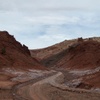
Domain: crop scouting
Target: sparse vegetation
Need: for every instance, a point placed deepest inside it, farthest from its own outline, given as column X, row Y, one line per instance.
column 3, row 51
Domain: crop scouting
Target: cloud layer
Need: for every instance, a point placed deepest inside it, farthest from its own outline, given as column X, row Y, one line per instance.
column 40, row 23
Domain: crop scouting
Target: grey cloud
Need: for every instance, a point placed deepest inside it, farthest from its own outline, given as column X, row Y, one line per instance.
column 53, row 5
column 51, row 18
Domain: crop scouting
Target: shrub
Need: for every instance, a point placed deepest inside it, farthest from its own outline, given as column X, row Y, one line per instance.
column 3, row 51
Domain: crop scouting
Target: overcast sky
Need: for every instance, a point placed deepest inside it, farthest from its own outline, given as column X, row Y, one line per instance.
column 41, row 23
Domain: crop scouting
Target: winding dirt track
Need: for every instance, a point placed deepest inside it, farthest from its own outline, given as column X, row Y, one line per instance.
column 17, row 87
column 43, row 88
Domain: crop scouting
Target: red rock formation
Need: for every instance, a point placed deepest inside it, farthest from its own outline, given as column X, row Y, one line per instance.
column 13, row 54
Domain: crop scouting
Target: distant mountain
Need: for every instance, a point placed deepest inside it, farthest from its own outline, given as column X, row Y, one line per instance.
column 81, row 55
column 15, row 55
column 44, row 53
column 69, row 52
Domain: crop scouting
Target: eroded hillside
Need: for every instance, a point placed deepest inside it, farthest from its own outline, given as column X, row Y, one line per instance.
column 44, row 53
column 13, row 54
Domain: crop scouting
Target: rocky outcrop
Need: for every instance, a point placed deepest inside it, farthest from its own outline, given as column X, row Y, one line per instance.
column 26, row 49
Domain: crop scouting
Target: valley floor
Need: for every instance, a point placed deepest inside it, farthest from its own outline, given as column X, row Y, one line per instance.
column 50, row 86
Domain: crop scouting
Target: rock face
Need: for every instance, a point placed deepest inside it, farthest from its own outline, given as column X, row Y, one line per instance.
column 13, row 54
column 26, row 49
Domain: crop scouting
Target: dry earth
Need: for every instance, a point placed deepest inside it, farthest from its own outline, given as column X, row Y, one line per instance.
column 42, row 85
column 9, row 78
column 52, row 88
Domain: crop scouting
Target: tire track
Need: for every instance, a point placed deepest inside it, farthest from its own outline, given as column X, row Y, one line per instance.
column 16, row 96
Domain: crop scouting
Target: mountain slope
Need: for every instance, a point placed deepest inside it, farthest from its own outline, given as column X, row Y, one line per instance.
column 44, row 53
column 80, row 55
column 14, row 55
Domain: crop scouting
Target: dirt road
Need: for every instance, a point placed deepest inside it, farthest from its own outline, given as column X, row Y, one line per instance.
column 17, row 96
column 50, row 87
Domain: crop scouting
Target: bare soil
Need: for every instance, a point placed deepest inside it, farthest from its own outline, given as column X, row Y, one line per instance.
column 52, row 93
column 6, row 94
